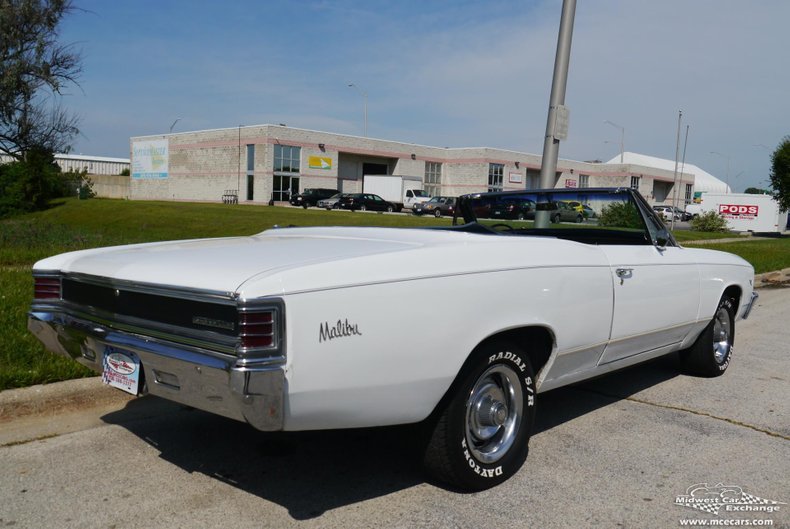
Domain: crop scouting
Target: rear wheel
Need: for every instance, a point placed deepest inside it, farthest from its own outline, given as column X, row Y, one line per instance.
column 481, row 436
column 712, row 351
column 556, row 219
column 363, row 207
column 389, row 209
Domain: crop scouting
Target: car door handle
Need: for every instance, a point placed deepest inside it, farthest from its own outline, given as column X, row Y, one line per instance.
column 624, row 273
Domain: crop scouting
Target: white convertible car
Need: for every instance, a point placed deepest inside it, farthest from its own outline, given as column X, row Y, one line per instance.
column 315, row 328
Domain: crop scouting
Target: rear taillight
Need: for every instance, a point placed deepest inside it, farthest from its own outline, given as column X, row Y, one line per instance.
column 46, row 287
column 257, row 329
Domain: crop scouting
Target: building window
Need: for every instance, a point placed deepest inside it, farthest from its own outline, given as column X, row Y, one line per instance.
column 250, row 158
column 689, row 193
column 496, row 172
column 286, row 158
column 635, row 182
column 433, row 178
column 584, row 180
column 284, row 186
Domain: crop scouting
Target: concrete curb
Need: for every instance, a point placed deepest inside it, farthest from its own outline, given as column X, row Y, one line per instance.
column 779, row 278
column 58, row 398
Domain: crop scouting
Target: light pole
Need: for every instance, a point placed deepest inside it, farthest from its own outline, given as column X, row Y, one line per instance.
column 558, row 115
column 727, row 181
column 365, row 98
column 174, row 124
column 622, row 137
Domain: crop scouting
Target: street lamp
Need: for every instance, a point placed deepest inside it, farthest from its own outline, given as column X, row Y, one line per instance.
column 365, row 98
column 622, row 137
column 727, row 181
column 174, row 124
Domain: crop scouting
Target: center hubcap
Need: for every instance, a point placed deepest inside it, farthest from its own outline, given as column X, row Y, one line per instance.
column 498, row 413
column 491, row 412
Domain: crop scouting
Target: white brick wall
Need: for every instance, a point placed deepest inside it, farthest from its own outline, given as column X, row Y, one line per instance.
column 203, row 164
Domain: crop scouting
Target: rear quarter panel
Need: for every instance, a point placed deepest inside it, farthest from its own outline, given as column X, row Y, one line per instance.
column 405, row 353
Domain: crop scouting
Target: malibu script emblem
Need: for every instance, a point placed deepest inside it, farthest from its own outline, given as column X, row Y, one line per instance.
column 340, row 330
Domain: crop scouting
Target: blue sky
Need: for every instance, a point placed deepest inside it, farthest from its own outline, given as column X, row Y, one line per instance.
column 456, row 74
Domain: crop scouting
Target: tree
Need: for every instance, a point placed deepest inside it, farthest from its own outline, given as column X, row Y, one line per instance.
column 34, row 70
column 780, row 173
column 756, row 191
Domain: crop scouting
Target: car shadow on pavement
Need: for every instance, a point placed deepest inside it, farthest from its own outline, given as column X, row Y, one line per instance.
column 564, row 404
column 310, row 473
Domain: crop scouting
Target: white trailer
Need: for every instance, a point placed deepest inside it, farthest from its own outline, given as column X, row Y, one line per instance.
column 402, row 191
column 743, row 211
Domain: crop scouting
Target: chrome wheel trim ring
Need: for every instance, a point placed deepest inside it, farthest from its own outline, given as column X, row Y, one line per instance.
column 494, row 412
column 722, row 335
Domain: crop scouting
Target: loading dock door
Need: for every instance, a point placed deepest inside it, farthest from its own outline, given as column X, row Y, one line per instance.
column 374, row 168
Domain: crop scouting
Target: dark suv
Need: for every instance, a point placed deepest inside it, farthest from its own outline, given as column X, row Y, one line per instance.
column 311, row 196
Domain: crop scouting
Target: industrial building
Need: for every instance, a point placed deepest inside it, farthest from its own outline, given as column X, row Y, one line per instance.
column 268, row 163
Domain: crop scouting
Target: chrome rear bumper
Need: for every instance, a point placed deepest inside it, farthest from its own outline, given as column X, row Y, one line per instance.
column 195, row 377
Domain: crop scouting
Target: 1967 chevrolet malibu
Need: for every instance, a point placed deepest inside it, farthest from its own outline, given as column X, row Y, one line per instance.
column 316, row 328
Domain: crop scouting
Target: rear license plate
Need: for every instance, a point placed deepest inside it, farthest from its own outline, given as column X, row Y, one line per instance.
column 121, row 369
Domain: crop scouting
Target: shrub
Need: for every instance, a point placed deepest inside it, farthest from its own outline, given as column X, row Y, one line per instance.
column 28, row 185
column 620, row 215
column 709, row 221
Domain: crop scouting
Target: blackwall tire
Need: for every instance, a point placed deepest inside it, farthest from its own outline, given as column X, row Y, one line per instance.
column 363, row 207
column 711, row 353
column 437, row 213
column 480, row 436
column 389, row 209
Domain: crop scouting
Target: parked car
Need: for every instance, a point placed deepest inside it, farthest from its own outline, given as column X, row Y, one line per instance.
column 317, row 328
column 683, row 215
column 311, row 196
column 436, row 206
column 363, row 202
column 520, row 209
column 666, row 212
column 565, row 212
column 331, row 202
column 588, row 212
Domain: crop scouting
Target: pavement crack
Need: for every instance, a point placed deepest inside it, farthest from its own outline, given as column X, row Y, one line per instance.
column 26, row 441
column 688, row 410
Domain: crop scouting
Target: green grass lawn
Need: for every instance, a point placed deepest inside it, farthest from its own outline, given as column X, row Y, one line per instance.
column 78, row 224
column 766, row 254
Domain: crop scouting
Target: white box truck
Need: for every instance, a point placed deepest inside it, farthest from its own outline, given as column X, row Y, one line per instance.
column 743, row 211
column 402, row 191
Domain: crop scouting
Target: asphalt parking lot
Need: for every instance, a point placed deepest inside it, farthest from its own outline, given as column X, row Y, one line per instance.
column 614, row 452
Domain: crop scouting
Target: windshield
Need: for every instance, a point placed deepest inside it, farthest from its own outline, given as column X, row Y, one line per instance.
column 420, row 193
column 580, row 214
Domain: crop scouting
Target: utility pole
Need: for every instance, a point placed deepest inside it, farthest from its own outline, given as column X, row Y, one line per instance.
column 675, row 177
column 557, row 121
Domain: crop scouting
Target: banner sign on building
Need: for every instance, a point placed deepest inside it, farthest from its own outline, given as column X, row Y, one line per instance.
column 515, row 178
column 570, row 183
column 319, row 162
column 150, row 159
